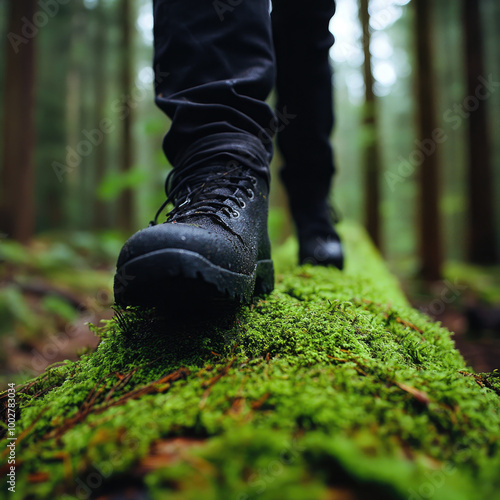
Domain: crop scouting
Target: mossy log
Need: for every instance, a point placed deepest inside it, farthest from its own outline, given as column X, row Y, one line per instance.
column 333, row 387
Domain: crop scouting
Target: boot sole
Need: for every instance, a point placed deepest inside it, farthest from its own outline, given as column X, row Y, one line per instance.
column 178, row 278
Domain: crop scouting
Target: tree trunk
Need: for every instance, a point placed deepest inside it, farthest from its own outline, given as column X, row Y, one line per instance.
column 126, row 211
column 371, row 153
column 481, row 216
column 101, row 212
column 429, row 217
column 74, row 122
column 17, row 213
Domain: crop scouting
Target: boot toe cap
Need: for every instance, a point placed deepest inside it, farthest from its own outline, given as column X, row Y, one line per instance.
column 322, row 252
column 210, row 244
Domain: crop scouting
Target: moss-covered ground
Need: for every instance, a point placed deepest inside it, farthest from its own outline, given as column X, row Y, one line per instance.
column 333, row 387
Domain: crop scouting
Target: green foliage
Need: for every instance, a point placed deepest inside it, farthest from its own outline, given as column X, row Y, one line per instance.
column 57, row 256
column 66, row 261
column 276, row 220
column 59, row 307
column 483, row 282
column 46, row 287
column 15, row 312
column 14, row 253
column 116, row 182
column 96, row 248
column 332, row 382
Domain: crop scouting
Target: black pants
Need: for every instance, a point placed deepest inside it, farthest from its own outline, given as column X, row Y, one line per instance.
column 216, row 62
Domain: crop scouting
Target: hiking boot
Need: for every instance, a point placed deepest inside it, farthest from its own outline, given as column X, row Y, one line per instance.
column 314, row 218
column 213, row 248
column 319, row 242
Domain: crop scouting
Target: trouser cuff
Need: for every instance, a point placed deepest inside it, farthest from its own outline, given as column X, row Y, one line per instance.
column 227, row 149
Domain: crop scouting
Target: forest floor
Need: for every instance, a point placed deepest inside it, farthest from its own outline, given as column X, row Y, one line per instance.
column 333, row 387
column 50, row 291
column 467, row 302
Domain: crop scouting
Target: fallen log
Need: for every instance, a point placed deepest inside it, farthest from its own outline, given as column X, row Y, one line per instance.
column 333, row 387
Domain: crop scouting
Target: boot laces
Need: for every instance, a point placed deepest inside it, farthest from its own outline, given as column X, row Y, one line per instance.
column 206, row 191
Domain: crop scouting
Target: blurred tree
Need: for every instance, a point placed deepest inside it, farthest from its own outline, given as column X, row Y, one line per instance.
column 101, row 212
column 51, row 170
column 126, row 211
column 429, row 223
column 17, row 213
column 449, row 87
column 75, row 88
column 481, row 216
column 371, row 149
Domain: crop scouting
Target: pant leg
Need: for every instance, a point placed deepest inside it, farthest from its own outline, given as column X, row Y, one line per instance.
column 302, row 42
column 214, row 65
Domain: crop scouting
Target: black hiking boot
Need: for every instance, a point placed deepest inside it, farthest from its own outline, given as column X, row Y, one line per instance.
column 213, row 248
column 319, row 242
column 314, row 218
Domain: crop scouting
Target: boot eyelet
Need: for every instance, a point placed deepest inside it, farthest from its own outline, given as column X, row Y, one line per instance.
column 253, row 180
column 185, row 202
column 242, row 203
column 251, row 194
column 235, row 214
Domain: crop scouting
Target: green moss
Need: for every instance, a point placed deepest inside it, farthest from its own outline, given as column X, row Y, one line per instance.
column 483, row 282
column 333, row 383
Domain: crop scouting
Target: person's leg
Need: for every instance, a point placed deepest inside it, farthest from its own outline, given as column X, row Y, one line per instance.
column 302, row 41
column 214, row 69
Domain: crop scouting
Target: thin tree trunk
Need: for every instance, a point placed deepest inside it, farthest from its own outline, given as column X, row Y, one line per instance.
column 101, row 212
column 481, row 217
column 126, row 213
column 371, row 153
column 74, row 177
column 429, row 223
column 17, row 214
